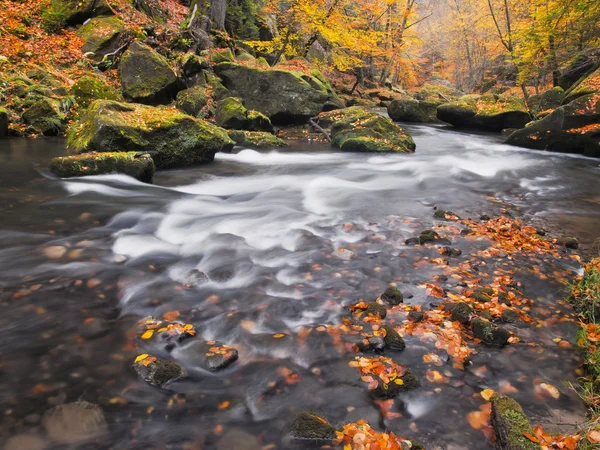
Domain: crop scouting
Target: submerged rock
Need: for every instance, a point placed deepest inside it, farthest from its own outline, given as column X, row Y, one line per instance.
column 392, row 296
column 411, row 110
column 311, row 426
column 236, row 439
column 209, row 355
column 172, row 138
column 285, row 97
column 574, row 128
column 485, row 112
column 356, row 129
column 489, row 332
column 511, row 424
column 409, row 381
column 134, row 164
column 157, row 372
column 76, row 422
column 146, row 76
column 256, row 139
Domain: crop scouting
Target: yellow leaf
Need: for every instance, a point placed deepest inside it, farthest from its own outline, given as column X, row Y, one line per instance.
column 148, row 334
column 140, row 357
column 487, row 394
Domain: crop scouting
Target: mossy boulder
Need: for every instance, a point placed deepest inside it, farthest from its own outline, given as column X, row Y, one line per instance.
column 586, row 85
column 217, row 57
column 511, row 425
column 461, row 312
column 437, row 93
column 174, row 139
column 284, row 96
column 218, row 90
column 192, row 64
column 192, row 100
column 548, row 100
column 485, row 112
column 392, row 296
column 256, row 139
column 158, row 373
column 231, row 113
column 411, row 110
column 3, row 122
column 490, row 333
column 45, row 117
column 101, row 36
column 89, row 88
column 312, row 426
column 393, row 340
column 146, row 76
column 360, row 130
column 75, row 12
column 573, row 128
column 134, row 164
column 409, row 381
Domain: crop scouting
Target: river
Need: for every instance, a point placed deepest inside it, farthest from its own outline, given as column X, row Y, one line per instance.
column 83, row 260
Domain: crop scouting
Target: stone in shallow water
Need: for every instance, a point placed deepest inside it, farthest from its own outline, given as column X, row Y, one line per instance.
column 25, row 442
column 157, row 372
column 195, row 277
column 310, row 426
column 393, row 296
column 236, row 439
column 461, row 312
column 75, row 422
column 490, row 333
column 393, row 341
column 209, row 355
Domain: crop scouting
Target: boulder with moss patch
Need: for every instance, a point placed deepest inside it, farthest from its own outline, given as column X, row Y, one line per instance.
column 192, row 64
column 192, row 100
column 360, row 130
column 134, row 164
column 221, row 56
column 284, row 96
column 158, row 372
column 3, row 122
column 437, row 93
column 231, row 113
column 101, row 36
column 89, row 88
column 545, row 101
column 490, row 333
column 392, row 296
column 310, row 427
column 75, row 12
column 174, row 139
column 411, row 110
column 586, row 85
column 146, row 76
column 407, row 382
column 256, row 139
column 511, row 425
column 485, row 112
column 45, row 117
column 573, row 128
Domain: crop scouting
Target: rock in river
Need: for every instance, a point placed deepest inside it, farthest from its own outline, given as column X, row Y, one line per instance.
column 511, row 425
column 490, row 333
column 310, row 426
column 208, row 355
column 134, row 164
column 157, row 372
column 392, row 296
column 173, row 139
column 75, row 422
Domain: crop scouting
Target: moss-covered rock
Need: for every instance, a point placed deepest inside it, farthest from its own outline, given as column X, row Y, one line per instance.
column 376, row 309
column 89, row 88
column 437, row 93
column 284, row 96
column 101, row 36
column 231, row 113
column 568, row 242
column 586, row 85
column 223, row 56
column 573, row 128
column 192, row 64
column 134, row 164
column 485, row 112
column 461, row 312
column 489, row 332
column 548, row 100
column 312, row 426
column 192, row 100
column 45, row 117
column 75, row 12
column 146, row 76
column 218, row 90
column 364, row 131
column 391, row 390
column 511, row 424
column 392, row 296
column 393, row 341
column 174, row 139
column 158, row 372
column 256, row 139
column 411, row 110
column 483, row 294
column 3, row 122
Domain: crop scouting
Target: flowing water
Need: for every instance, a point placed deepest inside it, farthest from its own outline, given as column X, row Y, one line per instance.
column 83, row 260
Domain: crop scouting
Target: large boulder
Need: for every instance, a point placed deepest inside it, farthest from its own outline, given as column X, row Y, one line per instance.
column 485, row 112
column 589, row 84
column 3, row 122
column 146, row 76
column 411, row 110
column 437, row 93
column 45, row 117
column 231, row 113
column 101, row 36
column 284, row 96
column 581, row 66
column 174, row 139
column 89, row 88
column 546, row 101
column 134, row 164
column 75, row 12
column 356, row 129
column 573, row 128
column 192, row 100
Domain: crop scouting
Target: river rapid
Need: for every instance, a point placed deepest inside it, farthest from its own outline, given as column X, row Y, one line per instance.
column 82, row 261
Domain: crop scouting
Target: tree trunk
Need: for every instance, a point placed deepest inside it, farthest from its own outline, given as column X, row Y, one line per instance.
column 217, row 12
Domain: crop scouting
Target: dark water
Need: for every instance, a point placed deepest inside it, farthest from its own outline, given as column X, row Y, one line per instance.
column 82, row 261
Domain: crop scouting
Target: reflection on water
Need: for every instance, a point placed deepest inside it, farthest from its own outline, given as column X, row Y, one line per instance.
column 83, row 260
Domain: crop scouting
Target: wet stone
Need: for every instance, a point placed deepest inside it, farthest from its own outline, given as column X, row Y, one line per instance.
column 568, row 242
column 239, row 440
column 75, row 422
column 391, row 390
column 393, row 341
column 157, row 372
column 392, row 296
column 210, row 355
column 461, row 312
column 376, row 309
column 25, row 442
column 416, row 316
column 449, row 251
column 195, row 278
column 94, row 328
column 510, row 316
column 310, row 426
column 377, row 343
column 490, row 333
column 412, row 241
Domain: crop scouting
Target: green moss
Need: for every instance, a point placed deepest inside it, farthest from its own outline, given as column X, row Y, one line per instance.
column 393, row 341
column 585, row 294
column 231, row 113
column 45, row 117
column 139, row 166
column 192, row 100
column 256, row 139
column 192, row 64
column 428, row 236
column 3, row 122
column 461, row 312
column 54, row 17
column 393, row 296
column 376, row 309
column 311, row 425
column 490, row 333
column 221, row 57
column 436, row 93
column 89, row 88
column 99, row 34
column 510, row 423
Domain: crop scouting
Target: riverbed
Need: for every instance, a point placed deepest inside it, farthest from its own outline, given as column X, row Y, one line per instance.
column 286, row 239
